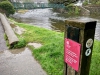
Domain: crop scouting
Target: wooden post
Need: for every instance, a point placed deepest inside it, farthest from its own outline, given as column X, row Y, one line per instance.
column 82, row 32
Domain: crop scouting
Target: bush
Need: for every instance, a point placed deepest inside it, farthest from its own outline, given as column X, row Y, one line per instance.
column 65, row 2
column 20, row 44
column 85, row 2
column 7, row 7
column 72, row 10
column 98, row 2
column 3, row 0
column 93, row 2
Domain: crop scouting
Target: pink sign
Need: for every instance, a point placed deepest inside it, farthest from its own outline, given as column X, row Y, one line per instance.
column 72, row 53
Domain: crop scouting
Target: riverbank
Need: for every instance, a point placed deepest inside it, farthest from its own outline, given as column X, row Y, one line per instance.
column 51, row 51
column 94, row 9
column 50, row 55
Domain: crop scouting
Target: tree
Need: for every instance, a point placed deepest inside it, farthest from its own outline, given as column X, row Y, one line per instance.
column 66, row 2
column 6, row 7
column 3, row 0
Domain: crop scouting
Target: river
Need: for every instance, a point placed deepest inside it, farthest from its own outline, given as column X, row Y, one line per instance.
column 53, row 20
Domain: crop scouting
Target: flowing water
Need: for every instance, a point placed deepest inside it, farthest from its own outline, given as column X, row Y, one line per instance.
column 43, row 18
column 50, row 19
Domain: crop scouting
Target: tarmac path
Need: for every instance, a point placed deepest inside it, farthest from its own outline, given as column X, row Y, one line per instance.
column 18, row 61
column 2, row 40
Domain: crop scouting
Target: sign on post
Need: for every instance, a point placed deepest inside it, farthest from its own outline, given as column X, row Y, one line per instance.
column 72, row 53
column 78, row 45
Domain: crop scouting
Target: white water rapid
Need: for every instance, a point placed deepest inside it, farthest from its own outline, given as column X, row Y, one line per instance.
column 79, row 3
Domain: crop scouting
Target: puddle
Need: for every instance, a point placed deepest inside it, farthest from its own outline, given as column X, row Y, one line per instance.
column 17, row 51
column 19, row 62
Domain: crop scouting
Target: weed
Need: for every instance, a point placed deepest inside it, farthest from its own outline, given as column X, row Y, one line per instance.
column 20, row 44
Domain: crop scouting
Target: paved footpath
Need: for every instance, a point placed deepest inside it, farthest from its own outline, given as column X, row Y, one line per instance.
column 17, row 62
column 2, row 40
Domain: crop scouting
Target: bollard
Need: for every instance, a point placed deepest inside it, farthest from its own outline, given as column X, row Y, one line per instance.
column 78, row 45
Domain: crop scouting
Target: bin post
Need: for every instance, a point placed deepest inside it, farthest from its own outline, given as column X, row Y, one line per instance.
column 79, row 36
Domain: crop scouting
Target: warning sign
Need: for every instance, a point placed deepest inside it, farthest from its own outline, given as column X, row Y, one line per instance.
column 72, row 53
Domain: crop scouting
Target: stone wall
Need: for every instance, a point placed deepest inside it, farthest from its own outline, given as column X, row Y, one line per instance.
column 93, row 9
column 84, row 11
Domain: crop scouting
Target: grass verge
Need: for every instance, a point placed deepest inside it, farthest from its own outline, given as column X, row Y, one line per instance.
column 95, row 61
column 51, row 54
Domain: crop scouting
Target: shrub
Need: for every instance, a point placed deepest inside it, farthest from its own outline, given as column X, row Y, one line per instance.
column 3, row 0
column 20, row 44
column 85, row 2
column 98, row 2
column 7, row 7
column 72, row 10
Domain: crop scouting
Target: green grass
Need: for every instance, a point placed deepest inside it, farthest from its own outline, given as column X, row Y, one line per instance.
column 51, row 54
column 95, row 61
